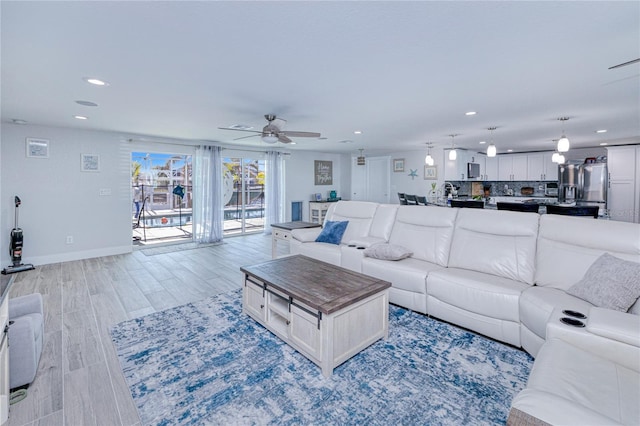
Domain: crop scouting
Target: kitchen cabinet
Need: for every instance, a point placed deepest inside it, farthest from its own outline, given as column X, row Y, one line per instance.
column 623, row 198
column 512, row 167
column 540, row 167
column 490, row 170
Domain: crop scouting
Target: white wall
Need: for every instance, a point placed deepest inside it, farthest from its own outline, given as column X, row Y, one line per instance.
column 414, row 160
column 58, row 200
column 299, row 179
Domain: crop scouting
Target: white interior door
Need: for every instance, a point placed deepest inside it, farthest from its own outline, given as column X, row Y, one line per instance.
column 371, row 182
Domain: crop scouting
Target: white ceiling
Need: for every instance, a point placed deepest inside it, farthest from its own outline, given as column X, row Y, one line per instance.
column 403, row 73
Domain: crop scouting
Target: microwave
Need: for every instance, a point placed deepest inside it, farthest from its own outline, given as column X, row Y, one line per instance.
column 473, row 170
column 551, row 189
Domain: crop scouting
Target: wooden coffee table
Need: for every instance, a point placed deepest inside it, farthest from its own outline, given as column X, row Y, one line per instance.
column 325, row 312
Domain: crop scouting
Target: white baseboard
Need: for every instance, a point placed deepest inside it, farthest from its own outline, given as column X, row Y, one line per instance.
column 77, row 255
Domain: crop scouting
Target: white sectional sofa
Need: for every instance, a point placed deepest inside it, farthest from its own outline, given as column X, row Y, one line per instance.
column 505, row 275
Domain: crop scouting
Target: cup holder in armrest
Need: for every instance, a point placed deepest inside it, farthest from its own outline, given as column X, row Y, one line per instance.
column 574, row 314
column 572, row 321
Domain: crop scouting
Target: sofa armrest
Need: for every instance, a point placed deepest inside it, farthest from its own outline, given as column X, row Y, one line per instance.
column 366, row 242
column 306, row 235
column 554, row 409
column 615, row 325
column 23, row 305
column 607, row 334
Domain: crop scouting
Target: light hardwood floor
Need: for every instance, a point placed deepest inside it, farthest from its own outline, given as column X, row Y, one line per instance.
column 79, row 381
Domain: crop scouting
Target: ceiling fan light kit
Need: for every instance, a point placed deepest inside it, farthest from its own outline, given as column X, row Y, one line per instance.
column 270, row 138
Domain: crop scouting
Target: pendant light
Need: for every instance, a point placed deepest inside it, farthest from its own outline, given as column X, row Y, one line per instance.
column 453, row 154
column 555, row 157
column 428, row 160
column 491, row 149
column 563, row 142
column 360, row 160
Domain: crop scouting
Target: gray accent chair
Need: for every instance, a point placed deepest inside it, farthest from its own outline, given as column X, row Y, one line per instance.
column 26, row 335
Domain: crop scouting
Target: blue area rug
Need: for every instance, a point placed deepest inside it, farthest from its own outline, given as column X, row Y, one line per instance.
column 207, row 362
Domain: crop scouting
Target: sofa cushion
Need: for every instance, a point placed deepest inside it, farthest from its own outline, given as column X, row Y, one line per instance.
column 568, row 246
column 332, row 232
column 501, row 243
column 425, row 231
column 407, row 274
column 359, row 214
column 477, row 292
column 610, row 282
column 383, row 220
column 387, row 252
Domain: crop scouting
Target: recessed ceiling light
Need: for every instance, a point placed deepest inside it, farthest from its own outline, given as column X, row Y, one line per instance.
column 241, row 127
column 603, row 143
column 87, row 103
column 509, row 150
column 470, row 113
column 18, row 121
column 95, row 81
column 80, row 117
column 357, row 132
column 601, row 131
column 346, row 141
column 482, row 142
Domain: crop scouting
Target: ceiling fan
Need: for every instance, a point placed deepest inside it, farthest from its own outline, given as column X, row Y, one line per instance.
column 272, row 132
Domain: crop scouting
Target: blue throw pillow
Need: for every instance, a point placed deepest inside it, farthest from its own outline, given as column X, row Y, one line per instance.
column 332, row 232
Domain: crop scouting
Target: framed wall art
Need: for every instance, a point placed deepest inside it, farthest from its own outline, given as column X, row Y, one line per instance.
column 89, row 162
column 323, row 172
column 37, row 148
column 431, row 172
column 398, row 165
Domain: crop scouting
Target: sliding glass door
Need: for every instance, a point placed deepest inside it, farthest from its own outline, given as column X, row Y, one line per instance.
column 244, row 195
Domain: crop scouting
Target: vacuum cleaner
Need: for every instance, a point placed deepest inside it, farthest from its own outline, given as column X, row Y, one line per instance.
column 15, row 248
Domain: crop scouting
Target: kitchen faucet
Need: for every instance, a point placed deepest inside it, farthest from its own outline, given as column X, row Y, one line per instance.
column 452, row 189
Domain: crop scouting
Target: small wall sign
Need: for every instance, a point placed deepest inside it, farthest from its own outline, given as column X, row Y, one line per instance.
column 89, row 162
column 431, row 172
column 323, row 172
column 37, row 148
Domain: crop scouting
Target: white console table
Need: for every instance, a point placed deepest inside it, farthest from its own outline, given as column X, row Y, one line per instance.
column 282, row 232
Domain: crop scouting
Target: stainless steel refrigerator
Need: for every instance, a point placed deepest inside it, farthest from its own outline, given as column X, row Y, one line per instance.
column 584, row 184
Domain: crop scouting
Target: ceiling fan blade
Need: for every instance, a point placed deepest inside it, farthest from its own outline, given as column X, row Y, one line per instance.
column 239, row 130
column 624, row 64
column 244, row 137
column 282, row 138
column 279, row 123
column 300, row 134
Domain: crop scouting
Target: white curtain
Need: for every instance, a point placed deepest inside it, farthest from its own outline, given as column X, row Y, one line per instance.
column 274, row 190
column 207, row 201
